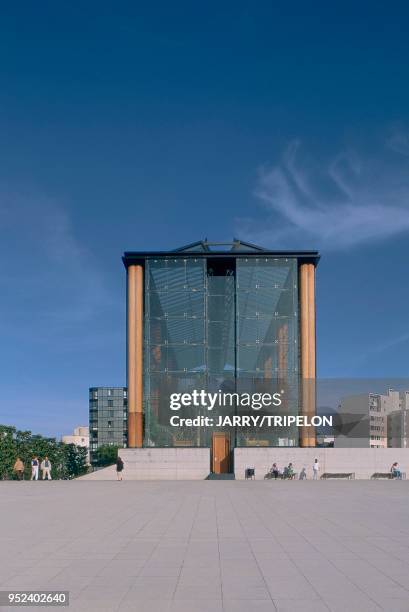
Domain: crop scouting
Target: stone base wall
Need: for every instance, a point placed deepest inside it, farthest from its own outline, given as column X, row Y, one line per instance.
column 363, row 461
column 165, row 463
column 194, row 463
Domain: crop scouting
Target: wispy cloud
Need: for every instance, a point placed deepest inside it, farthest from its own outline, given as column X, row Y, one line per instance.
column 398, row 141
column 61, row 314
column 341, row 202
column 49, row 279
column 383, row 347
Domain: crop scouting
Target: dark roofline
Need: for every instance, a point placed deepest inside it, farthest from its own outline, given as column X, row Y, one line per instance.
column 135, row 257
column 207, row 246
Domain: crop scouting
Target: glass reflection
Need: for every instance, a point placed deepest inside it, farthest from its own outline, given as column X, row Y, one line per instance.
column 229, row 324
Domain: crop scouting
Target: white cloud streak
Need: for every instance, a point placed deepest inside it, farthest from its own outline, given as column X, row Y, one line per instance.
column 344, row 202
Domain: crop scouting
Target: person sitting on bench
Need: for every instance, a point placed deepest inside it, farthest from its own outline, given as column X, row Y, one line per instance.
column 395, row 471
column 275, row 471
column 289, row 472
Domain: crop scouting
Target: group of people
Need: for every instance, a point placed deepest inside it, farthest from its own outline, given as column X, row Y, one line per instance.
column 44, row 466
column 288, row 472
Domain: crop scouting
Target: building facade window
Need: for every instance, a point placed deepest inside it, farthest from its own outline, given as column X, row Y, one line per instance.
column 230, row 324
column 106, row 417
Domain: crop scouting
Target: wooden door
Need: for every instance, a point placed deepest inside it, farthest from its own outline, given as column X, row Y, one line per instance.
column 220, row 453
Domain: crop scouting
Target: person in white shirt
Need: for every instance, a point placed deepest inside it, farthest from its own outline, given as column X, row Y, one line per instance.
column 315, row 470
column 34, row 468
column 46, row 468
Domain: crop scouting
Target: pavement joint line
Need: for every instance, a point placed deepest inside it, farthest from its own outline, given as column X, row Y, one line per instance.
column 255, row 559
column 230, row 524
column 331, row 563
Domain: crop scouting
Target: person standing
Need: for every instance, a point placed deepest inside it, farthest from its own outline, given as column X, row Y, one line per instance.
column 119, row 468
column 18, row 469
column 46, row 468
column 34, row 468
column 315, row 469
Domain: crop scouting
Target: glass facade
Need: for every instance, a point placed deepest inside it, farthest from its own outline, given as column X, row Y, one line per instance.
column 229, row 324
column 175, row 344
column 267, row 340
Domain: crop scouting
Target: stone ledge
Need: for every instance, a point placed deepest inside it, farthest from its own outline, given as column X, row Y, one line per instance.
column 165, row 463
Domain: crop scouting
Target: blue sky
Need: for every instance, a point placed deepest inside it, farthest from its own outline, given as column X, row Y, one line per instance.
column 128, row 127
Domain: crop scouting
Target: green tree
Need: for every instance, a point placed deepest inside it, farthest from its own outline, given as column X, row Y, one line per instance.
column 105, row 455
column 22, row 442
column 8, row 451
column 75, row 461
column 67, row 460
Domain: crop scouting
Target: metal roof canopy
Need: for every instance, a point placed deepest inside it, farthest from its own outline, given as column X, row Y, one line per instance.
column 204, row 248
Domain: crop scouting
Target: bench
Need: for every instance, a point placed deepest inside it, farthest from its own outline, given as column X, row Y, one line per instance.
column 348, row 475
column 387, row 475
column 270, row 476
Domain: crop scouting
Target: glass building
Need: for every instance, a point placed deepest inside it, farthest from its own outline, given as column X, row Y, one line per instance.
column 108, row 417
column 234, row 318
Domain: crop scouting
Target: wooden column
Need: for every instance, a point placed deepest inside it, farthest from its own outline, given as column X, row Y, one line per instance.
column 308, row 352
column 135, row 355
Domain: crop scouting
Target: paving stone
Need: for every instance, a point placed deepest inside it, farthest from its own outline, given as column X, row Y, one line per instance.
column 204, row 546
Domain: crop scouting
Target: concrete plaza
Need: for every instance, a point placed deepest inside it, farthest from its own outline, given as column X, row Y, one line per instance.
column 208, row 546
